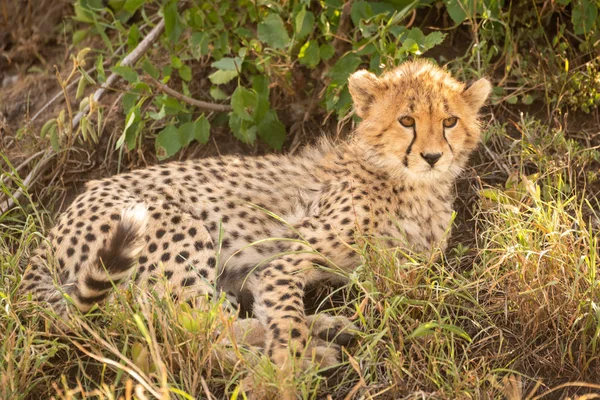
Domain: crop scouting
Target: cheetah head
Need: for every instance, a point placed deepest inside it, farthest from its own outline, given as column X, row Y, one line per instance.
column 418, row 121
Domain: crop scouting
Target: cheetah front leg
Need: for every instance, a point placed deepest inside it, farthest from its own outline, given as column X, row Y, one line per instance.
column 278, row 304
column 290, row 335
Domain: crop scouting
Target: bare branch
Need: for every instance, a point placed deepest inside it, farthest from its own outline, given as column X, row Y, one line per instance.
column 196, row 103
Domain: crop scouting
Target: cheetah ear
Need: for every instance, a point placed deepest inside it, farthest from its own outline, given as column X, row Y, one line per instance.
column 477, row 93
column 364, row 87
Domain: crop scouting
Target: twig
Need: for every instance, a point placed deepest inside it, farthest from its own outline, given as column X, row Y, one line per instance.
column 412, row 19
column 340, row 39
column 196, row 103
column 57, row 96
column 130, row 59
column 497, row 160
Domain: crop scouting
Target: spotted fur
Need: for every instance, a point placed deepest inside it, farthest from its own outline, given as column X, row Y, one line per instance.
column 202, row 222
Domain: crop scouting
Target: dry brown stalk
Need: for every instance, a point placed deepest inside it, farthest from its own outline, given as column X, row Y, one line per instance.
column 196, row 103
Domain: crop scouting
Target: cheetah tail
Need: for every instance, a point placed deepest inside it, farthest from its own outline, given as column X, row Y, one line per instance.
column 115, row 260
column 114, row 263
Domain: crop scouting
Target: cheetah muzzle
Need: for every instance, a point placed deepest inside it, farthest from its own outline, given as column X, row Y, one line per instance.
column 393, row 179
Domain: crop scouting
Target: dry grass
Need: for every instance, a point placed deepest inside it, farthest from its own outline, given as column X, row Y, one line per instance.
column 513, row 316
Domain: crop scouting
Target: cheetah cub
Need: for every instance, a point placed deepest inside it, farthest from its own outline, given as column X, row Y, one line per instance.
column 202, row 224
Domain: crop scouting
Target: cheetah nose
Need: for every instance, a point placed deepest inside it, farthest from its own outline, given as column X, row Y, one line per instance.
column 431, row 158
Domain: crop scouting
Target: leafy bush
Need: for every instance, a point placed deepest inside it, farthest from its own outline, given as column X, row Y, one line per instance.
column 248, row 49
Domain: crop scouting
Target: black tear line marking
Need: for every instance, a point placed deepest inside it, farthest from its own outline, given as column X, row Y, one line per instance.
column 446, row 139
column 409, row 149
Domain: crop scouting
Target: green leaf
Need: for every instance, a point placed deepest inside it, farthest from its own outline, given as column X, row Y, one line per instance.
column 50, row 124
column 133, row 124
column 344, row 103
column 433, row 39
column 185, row 73
column 220, row 77
column 173, row 26
column 304, row 23
column 54, row 139
column 342, row 69
column 415, row 42
column 217, row 94
column 80, row 87
column 326, row 51
column 167, row 71
column 459, row 10
column 244, row 103
column 186, row 133
column 260, row 84
column 429, row 328
column 309, row 54
column 457, row 331
column 157, row 116
column 150, row 69
column 79, row 35
column 490, row 194
column 172, row 106
column 243, row 130
column 167, row 142
column 132, row 128
column 176, row 62
column 228, row 64
column 133, row 37
column 272, row 32
column 584, row 16
column 527, row 99
column 361, row 10
column 512, row 99
column 456, row 11
column 271, row 130
column 409, row 46
column 202, row 129
column 199, row 44
column 128, row 73
column 424, row 329
column 87, row 77
column 132, row 5
column 82, row 14
column 83, row 124
column 100, row 74
column 129, row 100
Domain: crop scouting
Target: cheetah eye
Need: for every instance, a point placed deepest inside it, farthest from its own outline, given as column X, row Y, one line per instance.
column 450, row 122
column 407, row 122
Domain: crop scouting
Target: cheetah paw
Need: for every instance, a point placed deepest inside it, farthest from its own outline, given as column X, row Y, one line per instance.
column 325, row 329
column 329, row 333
